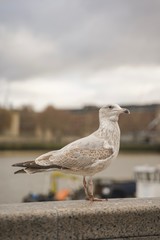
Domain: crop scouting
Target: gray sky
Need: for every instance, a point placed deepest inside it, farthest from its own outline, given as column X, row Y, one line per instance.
column 70, row 53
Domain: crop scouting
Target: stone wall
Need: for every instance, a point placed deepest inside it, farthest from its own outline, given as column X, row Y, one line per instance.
column 114, row 219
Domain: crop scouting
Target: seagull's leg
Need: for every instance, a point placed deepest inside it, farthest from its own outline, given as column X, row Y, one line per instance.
column 90, row 191
column 85, row 187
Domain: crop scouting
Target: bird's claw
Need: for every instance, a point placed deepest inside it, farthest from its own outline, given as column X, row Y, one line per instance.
column 93, row 199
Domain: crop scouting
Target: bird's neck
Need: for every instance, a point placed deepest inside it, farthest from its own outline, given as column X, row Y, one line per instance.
column 109, row 131
column 108, row 128
column 108, row 124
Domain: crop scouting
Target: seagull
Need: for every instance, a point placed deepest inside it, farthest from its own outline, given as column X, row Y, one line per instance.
column 86, row 156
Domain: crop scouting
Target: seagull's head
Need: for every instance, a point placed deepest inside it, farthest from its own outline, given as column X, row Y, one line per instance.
column 112, row 112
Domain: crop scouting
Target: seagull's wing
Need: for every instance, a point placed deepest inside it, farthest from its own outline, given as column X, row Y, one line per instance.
column 78, row 155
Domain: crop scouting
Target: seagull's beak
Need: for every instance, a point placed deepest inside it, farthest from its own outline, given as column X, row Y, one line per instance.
column 125, row 110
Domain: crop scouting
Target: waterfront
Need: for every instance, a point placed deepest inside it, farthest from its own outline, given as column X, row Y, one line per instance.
column 14, row 187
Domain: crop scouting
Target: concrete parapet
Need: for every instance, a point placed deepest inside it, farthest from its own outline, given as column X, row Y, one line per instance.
column 114, row 219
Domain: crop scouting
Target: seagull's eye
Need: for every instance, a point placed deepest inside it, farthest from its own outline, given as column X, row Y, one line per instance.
column 110, row 107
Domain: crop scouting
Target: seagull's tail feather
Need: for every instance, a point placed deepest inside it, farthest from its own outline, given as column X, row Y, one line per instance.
column 33, row 170
column 29, row 170
column 31, row 167
column 27, row 167
column 26, row 164
column 20, row 171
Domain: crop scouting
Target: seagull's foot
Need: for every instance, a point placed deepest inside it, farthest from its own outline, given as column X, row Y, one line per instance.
column 93, row 199
column 100, row 199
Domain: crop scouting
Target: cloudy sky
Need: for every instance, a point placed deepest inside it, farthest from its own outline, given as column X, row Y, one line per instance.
column 71, row 53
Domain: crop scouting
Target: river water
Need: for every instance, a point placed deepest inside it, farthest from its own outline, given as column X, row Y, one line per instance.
column 14, row 187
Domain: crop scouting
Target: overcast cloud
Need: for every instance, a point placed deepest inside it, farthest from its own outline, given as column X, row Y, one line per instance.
column 71, row 53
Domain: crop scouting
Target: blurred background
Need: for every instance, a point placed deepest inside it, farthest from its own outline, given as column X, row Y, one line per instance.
column 59, row 62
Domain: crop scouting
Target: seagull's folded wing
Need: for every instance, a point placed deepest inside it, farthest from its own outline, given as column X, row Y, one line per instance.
column 76, row 156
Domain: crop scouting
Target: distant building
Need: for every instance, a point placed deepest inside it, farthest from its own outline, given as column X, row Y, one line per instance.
column 15, row 124
column 135, row 128
column 14, row 129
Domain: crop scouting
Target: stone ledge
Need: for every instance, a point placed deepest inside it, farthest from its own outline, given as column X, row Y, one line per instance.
column 114, row 219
